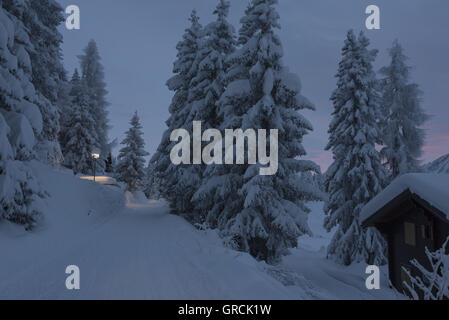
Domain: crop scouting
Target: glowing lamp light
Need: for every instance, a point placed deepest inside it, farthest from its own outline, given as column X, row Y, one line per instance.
column 95, row 155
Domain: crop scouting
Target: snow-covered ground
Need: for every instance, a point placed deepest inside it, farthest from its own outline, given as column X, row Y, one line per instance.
column 129, row 248
column 325, row 279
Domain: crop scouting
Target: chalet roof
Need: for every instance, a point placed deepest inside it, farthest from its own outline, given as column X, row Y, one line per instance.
column 432, row 188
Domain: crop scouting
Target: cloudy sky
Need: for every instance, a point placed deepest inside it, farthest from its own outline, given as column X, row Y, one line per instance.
column 137, row 40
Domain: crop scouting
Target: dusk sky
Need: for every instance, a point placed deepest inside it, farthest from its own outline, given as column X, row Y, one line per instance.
column 137, row 40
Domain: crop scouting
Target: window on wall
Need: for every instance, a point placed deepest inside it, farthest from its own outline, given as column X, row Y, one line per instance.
column 410, row 233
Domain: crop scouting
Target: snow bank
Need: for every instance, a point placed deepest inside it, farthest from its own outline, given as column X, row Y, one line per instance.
column 72, row 209
column 433, row 188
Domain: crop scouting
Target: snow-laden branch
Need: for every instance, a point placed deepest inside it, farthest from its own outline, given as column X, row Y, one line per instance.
column 434, row 283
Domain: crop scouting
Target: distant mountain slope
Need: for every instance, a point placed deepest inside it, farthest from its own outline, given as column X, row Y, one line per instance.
column 440, row 165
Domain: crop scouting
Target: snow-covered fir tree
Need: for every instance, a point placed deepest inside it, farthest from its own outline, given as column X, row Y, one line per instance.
column 208, row 69
column 41, row 20
column 49, row 74
column 79, row 139
column 180, row 111
column 20, row 125
column 206, row 87
column 152, row 185
column 73, row 92
column 20, row 193
column 64, row 104
column 357, row 174
column 248, row 26
column 221, row 42
column 217, row 43
column 109, row 164
column 130, row 168
column 263, row 215
column 92, row 75
column 402, row 116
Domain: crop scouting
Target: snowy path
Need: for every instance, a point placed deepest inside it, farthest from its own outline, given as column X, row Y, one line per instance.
column 138, row 252
column 134, row 249
column 142, row 253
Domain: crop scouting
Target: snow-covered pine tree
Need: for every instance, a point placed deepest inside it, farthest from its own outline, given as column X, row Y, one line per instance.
column 20, row 193
column 432, row 284
column 41, row 20
column 207, row 84
column 79, row 137
column 402, row 116
column 109, row 164
column 44, row 18
column 131, row 162
column 263, row 215
column 64, row 106
column 20, row 124
column 49, row 74
column 179, row 113
column 72, row 94
column 248, row 26
column 152, row 183
column 92, row 74
column 357, row 174
column 206, row 87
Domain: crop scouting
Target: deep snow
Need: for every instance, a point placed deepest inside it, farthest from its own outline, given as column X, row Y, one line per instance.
column 129, row 248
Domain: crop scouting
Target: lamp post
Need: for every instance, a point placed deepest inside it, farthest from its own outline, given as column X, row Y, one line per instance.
column 96, row 156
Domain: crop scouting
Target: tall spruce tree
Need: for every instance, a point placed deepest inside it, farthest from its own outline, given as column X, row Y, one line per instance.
column 219, row 43
column 206, row 87
column 357, row 174
column 263, row 215
column 402, row 116
column 152, row 183
column 64, row 108
column 109, row 164
column 92, row 75
column 73, row 92
column 180, row 111
column 79, row 139
column 131, row 162
column 20, row 123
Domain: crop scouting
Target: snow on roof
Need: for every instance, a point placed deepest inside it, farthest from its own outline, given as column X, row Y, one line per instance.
column 433, row 188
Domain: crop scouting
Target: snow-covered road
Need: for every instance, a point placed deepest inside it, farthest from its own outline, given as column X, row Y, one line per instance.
column 129, row 248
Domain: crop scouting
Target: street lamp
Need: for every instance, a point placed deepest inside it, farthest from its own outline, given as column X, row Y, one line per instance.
column 96, row 156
